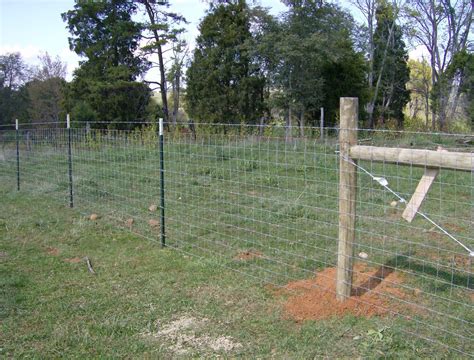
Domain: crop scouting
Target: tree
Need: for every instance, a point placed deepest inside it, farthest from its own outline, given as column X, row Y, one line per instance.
column 159, row 31
column 224, row 86
column 46, row 90
column 443, row 28
column 390, row 63
column 106, row 35
column 318, row 63
column 368, row 9
column 176, row 74
column 420, row 88
column 460, row 73
column 14, row 73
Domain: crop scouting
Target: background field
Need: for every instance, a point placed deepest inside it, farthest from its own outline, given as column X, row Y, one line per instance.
column 226, row 195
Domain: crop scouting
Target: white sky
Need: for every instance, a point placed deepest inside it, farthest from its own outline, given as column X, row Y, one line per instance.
column 35, row 26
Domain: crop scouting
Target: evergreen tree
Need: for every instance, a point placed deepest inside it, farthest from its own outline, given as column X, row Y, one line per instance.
column 391, row 66
column 224, row 85
column 105, row 34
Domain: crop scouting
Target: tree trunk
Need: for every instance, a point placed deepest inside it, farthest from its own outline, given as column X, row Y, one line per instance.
column 261, row 126
column 288, row 126
column 371, row 104
column 163, row 89
column 302, row 124
column 176, row 93
column 427, row 109
column 192, row 128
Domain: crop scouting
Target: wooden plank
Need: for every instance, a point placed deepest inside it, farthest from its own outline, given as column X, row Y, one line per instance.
column 415, row 157
column 349, row 108
column 421, row 190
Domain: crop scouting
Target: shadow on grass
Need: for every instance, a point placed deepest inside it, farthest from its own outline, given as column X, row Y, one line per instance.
column 373, row 281
column 442, row 279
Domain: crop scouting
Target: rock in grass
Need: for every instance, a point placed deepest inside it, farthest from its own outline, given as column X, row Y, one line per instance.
column 153, row 208
column 363, row 255
column 93, row 217
column 394, row 203
column 154, row 223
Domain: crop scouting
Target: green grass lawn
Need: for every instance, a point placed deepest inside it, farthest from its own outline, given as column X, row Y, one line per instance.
column 224, row 196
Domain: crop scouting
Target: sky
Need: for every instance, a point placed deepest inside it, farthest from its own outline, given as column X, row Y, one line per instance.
column 32, row 27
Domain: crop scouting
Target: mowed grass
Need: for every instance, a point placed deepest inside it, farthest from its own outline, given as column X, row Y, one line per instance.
column 223, row 197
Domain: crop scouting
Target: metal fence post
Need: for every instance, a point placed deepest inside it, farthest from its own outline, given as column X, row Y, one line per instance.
column 162, row 185
column 69, row 153
column 17, row 127
column 321, row 125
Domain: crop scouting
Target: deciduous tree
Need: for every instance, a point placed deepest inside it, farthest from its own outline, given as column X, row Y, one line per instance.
column 14, row 73
column 443, row 28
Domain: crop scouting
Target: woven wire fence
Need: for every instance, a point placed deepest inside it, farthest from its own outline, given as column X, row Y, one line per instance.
column 264, row 202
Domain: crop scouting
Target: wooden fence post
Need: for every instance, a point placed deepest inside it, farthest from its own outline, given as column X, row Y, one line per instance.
column 349, row 109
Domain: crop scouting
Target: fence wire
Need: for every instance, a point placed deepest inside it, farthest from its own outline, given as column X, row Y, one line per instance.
column 264, row 202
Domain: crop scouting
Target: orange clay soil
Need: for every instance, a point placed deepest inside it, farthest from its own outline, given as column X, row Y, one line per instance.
column 376, row 292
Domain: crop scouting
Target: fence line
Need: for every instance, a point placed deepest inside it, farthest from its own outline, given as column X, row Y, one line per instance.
column 267, row 208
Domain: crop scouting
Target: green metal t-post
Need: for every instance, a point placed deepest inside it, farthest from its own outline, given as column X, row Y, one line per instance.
column 17, row 127
column 162, row 184
column 69, row 153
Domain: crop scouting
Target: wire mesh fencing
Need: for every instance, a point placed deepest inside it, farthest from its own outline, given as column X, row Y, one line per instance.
column 264, row 202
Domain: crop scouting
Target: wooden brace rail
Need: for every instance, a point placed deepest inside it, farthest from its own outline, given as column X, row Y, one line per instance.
column 415, row 157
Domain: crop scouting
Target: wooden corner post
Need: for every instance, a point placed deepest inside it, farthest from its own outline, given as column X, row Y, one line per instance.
column 349, row 110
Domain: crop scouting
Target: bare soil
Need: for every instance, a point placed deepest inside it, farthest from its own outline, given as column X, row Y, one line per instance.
column 248, row 255
column 53, row 251
column 180, row 335
column 376, row 292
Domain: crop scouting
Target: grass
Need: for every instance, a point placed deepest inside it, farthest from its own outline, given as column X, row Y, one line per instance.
column 223, row 197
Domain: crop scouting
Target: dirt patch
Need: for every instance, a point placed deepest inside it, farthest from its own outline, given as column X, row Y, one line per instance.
column 454, row 227
column 53, row 251
column 182, row 336
column 248, row 255
column 375, row 293
column 73, row 260
column 154, row 223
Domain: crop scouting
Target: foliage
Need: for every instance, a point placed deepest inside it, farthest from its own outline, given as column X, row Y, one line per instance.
column 158, row 31
column 106, row 34
column 460, row 76
column 224, row 85
column 443, row 28
column 317, row 63
column 14, row 73
column 176, row 76
column 46, row 90
column 390, row 63
column 46, row 98
column 420, row 89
